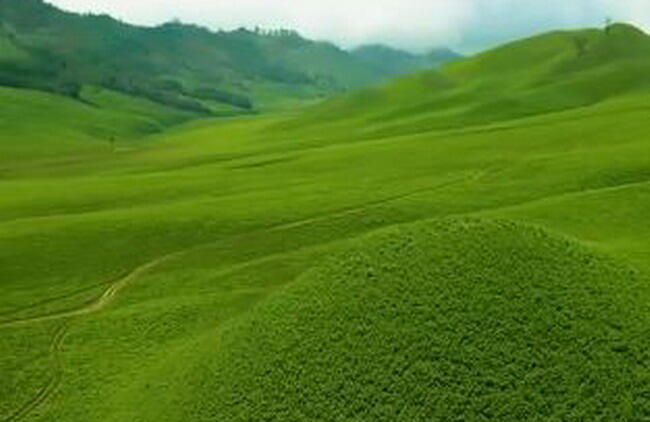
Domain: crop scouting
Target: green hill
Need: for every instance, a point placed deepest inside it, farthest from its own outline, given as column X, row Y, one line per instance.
column 548, row 73
column 391, row 254
column 37, row 125
column 456, row 320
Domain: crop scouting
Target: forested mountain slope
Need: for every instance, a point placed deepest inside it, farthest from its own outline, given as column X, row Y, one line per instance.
column 181, row 65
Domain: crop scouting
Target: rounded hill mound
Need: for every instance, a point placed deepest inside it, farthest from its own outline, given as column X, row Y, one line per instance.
column 452, row 320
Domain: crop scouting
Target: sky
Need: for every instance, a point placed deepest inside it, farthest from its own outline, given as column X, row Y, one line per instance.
column 467, row 26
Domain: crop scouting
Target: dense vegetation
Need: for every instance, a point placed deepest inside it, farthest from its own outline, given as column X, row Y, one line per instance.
column 456, row 320
column 461, row 244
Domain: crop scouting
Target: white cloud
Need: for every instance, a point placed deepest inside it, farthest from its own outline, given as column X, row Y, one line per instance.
column 497, row 21
column 413, row 24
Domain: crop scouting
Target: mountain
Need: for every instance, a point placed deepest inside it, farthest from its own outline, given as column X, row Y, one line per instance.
column 185, row 66
column 392, row 61
column 546, row 73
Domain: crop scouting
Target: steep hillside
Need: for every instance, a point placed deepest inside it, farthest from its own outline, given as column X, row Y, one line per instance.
column 547, row 73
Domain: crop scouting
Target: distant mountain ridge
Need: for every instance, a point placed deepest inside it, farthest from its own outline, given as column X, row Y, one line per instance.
column 393, row 61
column 185, row 66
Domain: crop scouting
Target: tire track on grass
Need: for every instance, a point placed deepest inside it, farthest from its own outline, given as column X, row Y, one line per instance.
column 102, row 301
column 475, row 176
column 45, row 392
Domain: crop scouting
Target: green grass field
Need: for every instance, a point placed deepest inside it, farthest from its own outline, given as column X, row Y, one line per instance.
column 457, row 245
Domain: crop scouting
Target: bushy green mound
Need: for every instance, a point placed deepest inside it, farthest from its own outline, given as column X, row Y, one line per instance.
column 456, row 320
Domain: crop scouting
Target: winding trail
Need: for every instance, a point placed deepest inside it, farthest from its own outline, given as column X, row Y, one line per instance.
column 101, row 302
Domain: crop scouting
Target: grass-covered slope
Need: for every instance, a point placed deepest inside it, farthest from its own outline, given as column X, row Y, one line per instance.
column 547, row 73
column 136, row 282
column 451, row 320
column 35, row 124
column 137, row 261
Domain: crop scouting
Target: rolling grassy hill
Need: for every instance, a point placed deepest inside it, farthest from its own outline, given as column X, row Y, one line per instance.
column 41, row 125
column 389, row 255
column 548, row 73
